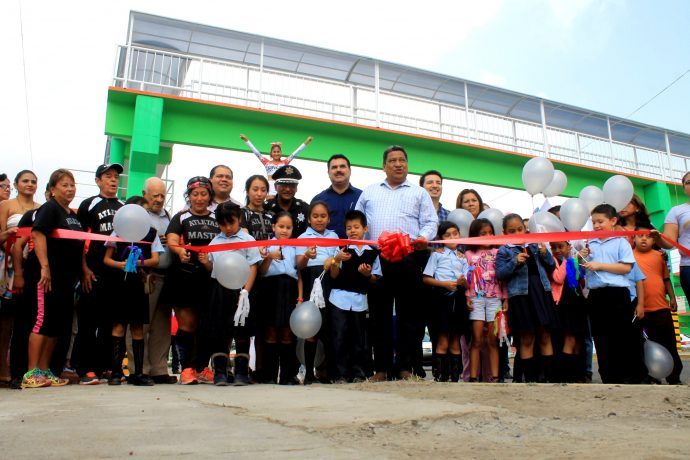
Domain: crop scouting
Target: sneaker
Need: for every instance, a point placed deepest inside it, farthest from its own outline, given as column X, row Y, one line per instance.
column 241, row 380
column 35, row 379
column 140, row 380
column 188, row 377
column 55, row 381
column 114, row 380
column 205, row 376
column 220, row 379
column 71, row 375
column 90, row 378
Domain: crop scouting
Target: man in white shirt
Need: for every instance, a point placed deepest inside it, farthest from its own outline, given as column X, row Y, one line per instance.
column 396, row 204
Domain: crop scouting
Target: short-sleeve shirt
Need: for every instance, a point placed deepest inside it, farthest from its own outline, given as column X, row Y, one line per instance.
column 634, row 276
column 656, row 270
column 680, row 215
column 610, row 251
column 194, row 230
column 322, row 252
column 484, row 262
column 286, row 266
column 448, row 265
column 258, row 224
column 64, row 255
column 96, row 215
column 251, row 255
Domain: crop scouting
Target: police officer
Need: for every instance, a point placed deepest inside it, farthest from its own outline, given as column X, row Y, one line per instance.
column 286, row 179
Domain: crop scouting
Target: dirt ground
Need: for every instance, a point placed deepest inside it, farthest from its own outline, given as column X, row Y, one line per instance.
column 385, row 420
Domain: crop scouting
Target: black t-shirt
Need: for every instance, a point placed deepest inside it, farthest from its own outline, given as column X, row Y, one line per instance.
column 194, row 230
column 27, row 219
column 299, row 210
column 96, row 215
column 258, row 224
column 64, row 255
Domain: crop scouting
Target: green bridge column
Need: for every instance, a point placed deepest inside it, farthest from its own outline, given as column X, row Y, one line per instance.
column 657, row 198
column 119, row 151
column 146, row 137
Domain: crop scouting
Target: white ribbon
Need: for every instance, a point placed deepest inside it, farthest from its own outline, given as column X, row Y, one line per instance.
column 242, row 308
column 316, row 295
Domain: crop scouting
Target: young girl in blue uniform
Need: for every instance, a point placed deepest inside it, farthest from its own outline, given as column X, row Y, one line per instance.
column 218, row 323
column 128, row 302
column 279, row 289
column 531, row 310
column 609, row 261
column 445, row 272
column 310, row 262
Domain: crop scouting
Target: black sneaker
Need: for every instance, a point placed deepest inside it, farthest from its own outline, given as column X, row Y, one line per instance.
column 220, row 379
column 140, row 380
column 115, row 380
column 241, row 380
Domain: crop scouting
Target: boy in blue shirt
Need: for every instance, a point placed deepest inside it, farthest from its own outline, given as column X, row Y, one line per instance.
column 353, row 270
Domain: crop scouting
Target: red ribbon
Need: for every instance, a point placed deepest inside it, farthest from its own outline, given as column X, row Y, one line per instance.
column 394, row 246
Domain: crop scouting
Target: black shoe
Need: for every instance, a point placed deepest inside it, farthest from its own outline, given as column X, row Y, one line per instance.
column 115, row 380
column 220, row 379
column 308, row 380
column 164, row 379
column 140, row 380
column 241, row 380
column 290, row 381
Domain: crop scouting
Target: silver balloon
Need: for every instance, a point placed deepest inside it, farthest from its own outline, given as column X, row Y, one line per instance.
column 231, row 269
column 618, row 191
column 319, row 356
column 557, row 184
column 574, row 214
column 658, row 360
column 494, row 216
column 592, row 196
column 305, row 320
column 131, row 222
column 537, row 174
column 463, row 219
column 543, row 221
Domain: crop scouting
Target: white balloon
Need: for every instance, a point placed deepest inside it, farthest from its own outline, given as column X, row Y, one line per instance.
column 536, row 175
column 463, row 219
column 657, row 359
column 544, row 221
column 592, row 196
column 305, row 320
column 131, row 222
column 557, row 184
column 495, row 217
column 231, row 269
column 574, row 214
column 618, row 191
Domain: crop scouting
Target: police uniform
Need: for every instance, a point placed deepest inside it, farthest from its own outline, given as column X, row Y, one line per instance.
column 92, row 348
column 298, row 208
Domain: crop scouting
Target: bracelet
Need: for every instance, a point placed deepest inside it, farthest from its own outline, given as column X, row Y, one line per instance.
column 300, row 300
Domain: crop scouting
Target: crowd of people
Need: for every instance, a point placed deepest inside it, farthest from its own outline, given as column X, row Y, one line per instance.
column 71, row 310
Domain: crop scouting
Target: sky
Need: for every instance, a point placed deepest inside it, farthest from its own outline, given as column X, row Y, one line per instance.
column 605, row 55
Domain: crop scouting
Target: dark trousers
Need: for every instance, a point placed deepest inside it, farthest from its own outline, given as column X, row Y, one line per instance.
column 348, row 332
column 398, row 285
column 93, row 344
column 659, row 327
column 22, row 323
column 617, row 341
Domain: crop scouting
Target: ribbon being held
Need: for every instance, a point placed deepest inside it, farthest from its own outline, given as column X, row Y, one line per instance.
column 501, row 330
column 134, row 256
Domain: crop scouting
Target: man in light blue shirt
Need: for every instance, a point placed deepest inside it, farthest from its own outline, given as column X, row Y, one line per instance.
column 396, row 204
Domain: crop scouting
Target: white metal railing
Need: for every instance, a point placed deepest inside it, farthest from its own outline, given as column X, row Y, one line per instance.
column 228, row 82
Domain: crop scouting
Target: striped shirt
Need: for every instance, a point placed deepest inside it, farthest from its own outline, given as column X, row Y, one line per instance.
column 406, row 208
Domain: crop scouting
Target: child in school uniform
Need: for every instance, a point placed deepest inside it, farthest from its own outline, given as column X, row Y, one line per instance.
column 609, row 261
column 310, row 263
column 566, row 286
column 128, row 301
column 218, row 322
column 353, row 271
column 531, row 310
column 485, row 298
column 657, row 321
column 279, row 288
column 445, row 272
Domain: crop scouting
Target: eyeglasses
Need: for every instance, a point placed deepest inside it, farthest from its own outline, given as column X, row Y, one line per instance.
column 5, row 187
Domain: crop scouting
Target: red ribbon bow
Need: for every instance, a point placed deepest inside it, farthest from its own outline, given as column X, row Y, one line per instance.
column 394, row 246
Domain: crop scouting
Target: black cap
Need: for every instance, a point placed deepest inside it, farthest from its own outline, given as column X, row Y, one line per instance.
column 287, row 175
column 103, row 168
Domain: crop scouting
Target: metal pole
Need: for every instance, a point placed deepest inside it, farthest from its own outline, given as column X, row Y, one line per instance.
column 668, row 154
column 613, row 160
column 467, row 113
column 261, row 74
column 353, row 103
column 376, row 93
column 543, row 127
column 128, row 53
column 201, row 77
